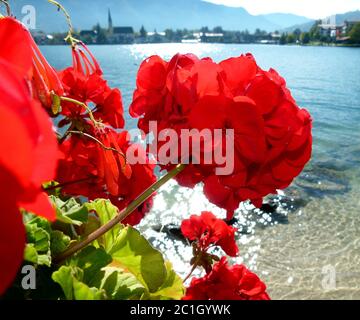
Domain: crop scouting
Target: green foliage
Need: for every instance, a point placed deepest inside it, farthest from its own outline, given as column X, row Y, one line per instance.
column 133, row 269
column 143, row 32
column 70, row 211
column 37, row 250
column 305, row 38
column 105, row 211
column 131, row 251
column 122, row 264
column 314, row 33
column 58, row 242
column 355, row 33
column 290, row 38
column 70, row 280
column 282, row 39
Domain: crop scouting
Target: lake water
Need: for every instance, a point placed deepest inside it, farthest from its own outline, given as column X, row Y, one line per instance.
column 309, row 247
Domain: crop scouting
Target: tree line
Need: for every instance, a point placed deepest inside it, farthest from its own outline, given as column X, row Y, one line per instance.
column 100, row 35
column 316, row 36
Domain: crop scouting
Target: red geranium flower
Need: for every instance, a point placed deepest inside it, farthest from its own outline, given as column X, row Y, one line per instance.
column 28, row 148
column 104, row 173
column 226, row 282
column 99, row 160
column 45, row 80
column 84, row 82
column 272, row 134
column 206, row 229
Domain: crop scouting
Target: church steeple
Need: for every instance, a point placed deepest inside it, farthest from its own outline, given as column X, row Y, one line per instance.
column 110, row 23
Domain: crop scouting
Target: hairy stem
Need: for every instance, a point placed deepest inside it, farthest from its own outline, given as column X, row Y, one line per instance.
column 81, row 104
column 97, row 141
column 65, row 184
column 69, row 37
column 191, row 272
column 6, row 4
column 121, row 215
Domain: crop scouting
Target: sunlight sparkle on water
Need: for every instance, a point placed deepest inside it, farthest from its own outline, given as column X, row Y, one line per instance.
column 168, row 50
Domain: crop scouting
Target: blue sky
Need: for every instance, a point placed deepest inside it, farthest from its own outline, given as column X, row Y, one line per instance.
column 309, row 8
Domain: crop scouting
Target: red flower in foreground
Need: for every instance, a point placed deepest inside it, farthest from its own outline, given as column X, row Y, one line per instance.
column 28, row 148
column 273, row 139
column 207, row 229
column 44, row 79
column 226, row 282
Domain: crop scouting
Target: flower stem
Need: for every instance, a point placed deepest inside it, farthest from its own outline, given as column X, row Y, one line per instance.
column 121, row 215
column 69, row 37
column 6, row 4
column 97, row 141
column 65, row 184
column 81, row 104
column 191, row 272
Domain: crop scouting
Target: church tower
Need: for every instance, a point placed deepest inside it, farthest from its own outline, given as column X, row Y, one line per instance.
column 110, row 23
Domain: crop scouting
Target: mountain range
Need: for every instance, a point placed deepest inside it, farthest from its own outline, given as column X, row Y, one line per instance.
column 339, row 18
column 153, row 14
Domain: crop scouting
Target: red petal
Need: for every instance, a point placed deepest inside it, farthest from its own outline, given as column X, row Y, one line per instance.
column 265, row 92
column 46, row 150
column 15, row 149
column 238, row 72
column 193, row 228
column 15, row 45
column 12, row 243
column 152, row 74
column 40, row 205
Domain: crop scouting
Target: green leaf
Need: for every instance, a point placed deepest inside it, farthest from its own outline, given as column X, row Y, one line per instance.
column 44, row 259
column 91, row 225
column 70, row 280
column 120, row 285
column 132, row 252
column 70, row 211
column 172, row 288
column 65, row 278
column 37, row 250
column 83, row 292
column 106, row 211
column 30, row 253
column 37, row 221
column 39, row 237
column 58, row 242
column 91, row 260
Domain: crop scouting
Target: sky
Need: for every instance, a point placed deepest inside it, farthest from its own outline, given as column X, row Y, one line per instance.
column 309, row 8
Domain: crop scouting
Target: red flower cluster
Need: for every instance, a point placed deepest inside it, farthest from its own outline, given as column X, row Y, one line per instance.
column 84, row 82
column 221, row 282
column 273, row 139
column 226, row 282
column 98, row 151
column 208, row 230
column 102, row 171
column 28, row 147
